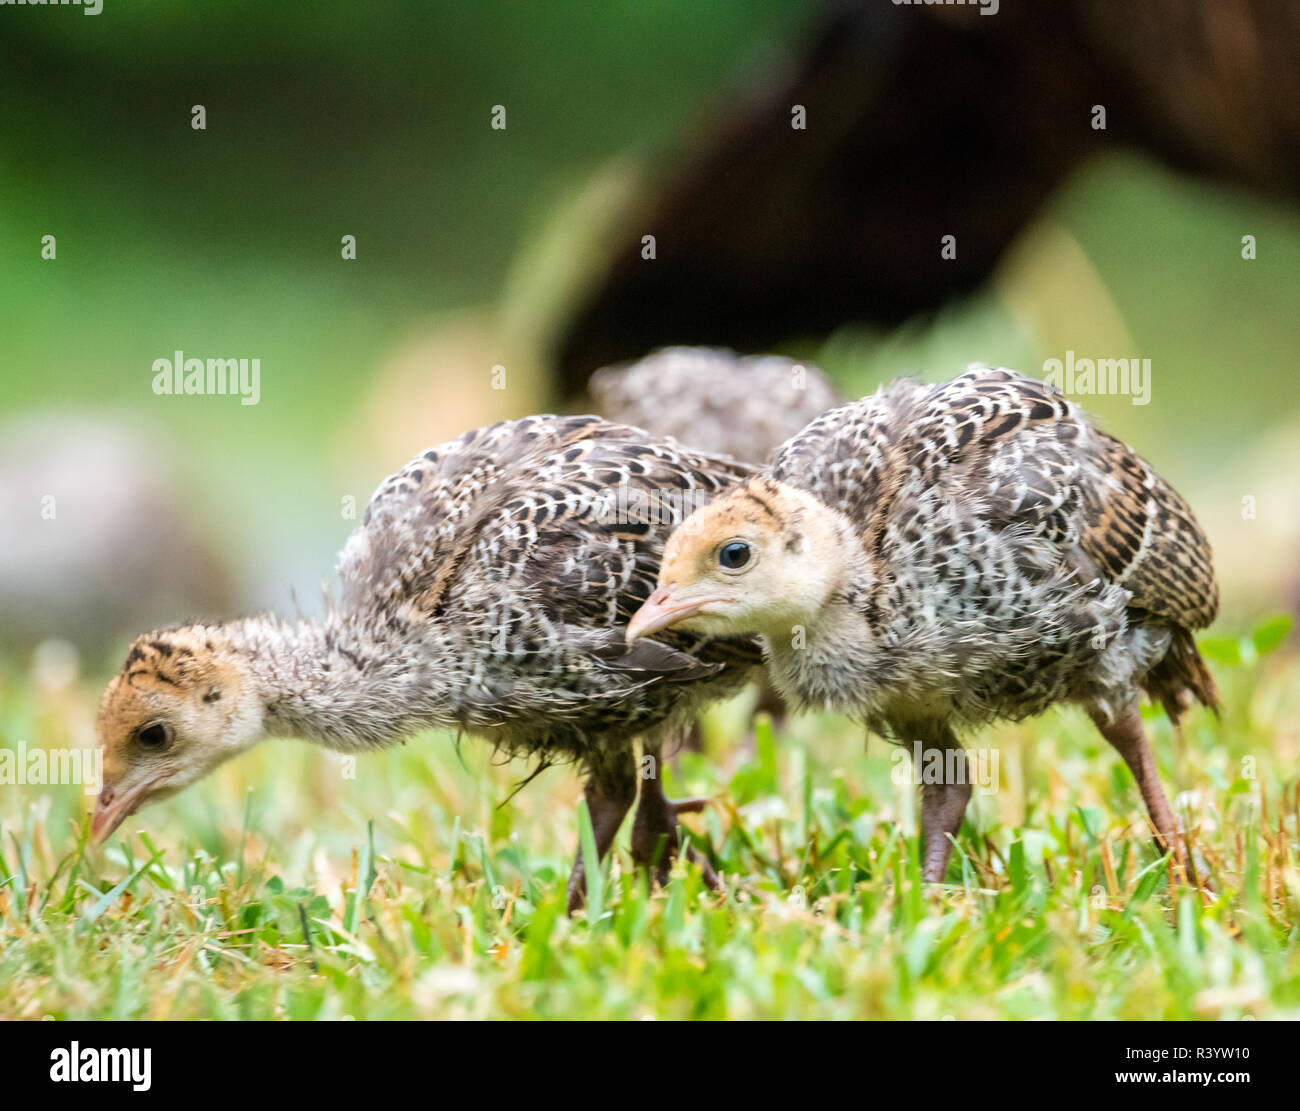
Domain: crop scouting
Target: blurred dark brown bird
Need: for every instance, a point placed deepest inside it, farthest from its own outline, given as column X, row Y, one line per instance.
column 924, row 121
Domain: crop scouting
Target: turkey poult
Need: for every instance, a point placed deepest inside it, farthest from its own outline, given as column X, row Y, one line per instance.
column 485, row 591
column 934, row 557
column 714, row 400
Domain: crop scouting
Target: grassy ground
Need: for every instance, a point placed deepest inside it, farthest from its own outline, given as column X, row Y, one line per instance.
column 292, row 885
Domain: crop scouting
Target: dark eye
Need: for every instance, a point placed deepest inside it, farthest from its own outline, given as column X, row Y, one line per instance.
column 734, row 555
column 152, row 736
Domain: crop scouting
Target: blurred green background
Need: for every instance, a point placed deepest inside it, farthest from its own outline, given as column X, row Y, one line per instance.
column 328, row 120
column 470, row 244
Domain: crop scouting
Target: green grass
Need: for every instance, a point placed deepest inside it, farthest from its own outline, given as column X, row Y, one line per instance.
column 282, row 888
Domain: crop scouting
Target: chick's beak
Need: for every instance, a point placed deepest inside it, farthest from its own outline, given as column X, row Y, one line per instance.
column 666, row 606
column 112, row 808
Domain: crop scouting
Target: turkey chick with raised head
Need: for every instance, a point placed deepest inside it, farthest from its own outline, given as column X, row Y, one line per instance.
column 931, row 558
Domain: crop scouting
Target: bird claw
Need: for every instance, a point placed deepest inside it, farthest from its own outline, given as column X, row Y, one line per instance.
column 656, row 825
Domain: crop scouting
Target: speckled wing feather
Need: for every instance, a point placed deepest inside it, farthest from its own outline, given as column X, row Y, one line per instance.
column 852, row 457
column 528, row 545
column 584, row 523
column 1024, row 456
column 414, row 527
column 1145, row 537
column 1008, row 538
column 1069, row 481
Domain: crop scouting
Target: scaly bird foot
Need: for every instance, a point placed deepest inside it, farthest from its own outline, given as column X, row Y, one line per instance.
column 655, row 834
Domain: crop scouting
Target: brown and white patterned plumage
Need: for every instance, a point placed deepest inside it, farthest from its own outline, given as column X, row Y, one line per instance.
column 509, row 557
column 715, row 400
column 484, row 591
column 937, row 556
column 1022, row 555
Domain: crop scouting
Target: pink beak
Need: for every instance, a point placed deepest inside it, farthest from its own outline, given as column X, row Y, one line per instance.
column 111, row 811
column 660, row 611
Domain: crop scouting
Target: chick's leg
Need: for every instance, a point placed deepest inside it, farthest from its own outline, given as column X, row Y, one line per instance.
column 1129, row 739
column 610, row 791
column 654, row 829
column 945, row 791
